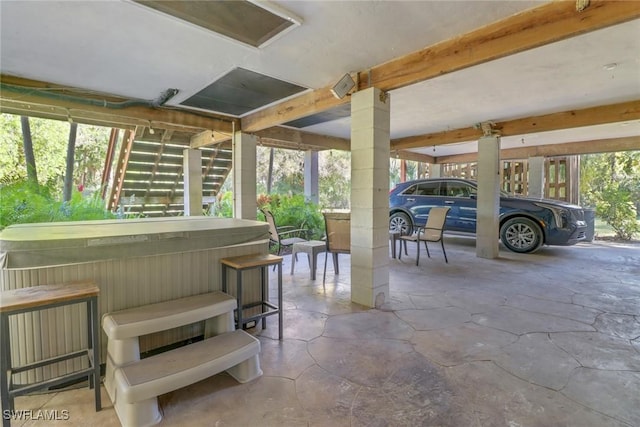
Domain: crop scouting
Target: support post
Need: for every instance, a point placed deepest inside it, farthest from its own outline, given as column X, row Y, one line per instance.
column 487, row 227
column 192, row 167
column 245, row 203
column 435, row 170
column 370, row 139
column 311, row 176
column 535, row 182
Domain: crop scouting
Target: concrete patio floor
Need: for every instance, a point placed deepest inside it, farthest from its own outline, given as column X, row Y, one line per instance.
column 548, row 339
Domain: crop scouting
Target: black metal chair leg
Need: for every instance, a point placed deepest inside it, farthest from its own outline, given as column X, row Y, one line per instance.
column 324, row 274
column 443, row 251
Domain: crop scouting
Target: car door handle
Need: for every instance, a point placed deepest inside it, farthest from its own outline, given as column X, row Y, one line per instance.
column 411, row 199
column 449, row 202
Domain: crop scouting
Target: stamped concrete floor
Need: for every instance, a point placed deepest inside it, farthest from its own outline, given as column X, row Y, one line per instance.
column 549, row 339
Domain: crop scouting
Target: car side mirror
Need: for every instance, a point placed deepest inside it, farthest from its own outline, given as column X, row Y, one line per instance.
column 473, row 195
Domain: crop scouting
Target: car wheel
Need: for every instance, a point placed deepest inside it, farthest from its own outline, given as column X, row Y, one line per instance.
column 399, row 221
column 521, row 235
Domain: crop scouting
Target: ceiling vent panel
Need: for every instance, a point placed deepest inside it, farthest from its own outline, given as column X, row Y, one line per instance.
column 241, row 91
column 335, row 113
column 252, row 23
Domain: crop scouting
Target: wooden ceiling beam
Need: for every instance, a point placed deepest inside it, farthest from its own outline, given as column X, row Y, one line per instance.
column 548, row 23
column 532, row 28
column 604, row 114
column 550, row 150
column 30, row 99
column 282, row 137
column 437, row 138
column 416, row 157
column 207, row 138
column 307, row 104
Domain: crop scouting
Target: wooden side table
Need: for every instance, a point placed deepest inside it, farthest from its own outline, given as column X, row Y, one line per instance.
column 248, row 262
column 312, row 248
column 43, row 297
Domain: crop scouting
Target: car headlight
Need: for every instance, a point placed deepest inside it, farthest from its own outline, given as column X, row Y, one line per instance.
column 560, row 215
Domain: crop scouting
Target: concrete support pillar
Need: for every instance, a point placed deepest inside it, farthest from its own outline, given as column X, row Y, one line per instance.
column 245, row 203
column 311, row 176
column 435, row 170
column 487, row 227
column 192, row 171
column 536, row 177
column 370, row 112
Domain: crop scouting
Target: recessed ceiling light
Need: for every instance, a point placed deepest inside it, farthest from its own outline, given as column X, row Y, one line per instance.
column 610, row 67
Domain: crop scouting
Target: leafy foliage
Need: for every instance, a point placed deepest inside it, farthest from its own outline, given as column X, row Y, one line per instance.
column 294, row 211
column 615, row 207
column 288, row 176
column 223, row 206
column 25, row 202
column 610, row 182
column 334, row 179
column 50, row 138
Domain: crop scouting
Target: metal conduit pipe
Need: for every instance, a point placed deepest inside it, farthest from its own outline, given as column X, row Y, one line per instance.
column 158, row 102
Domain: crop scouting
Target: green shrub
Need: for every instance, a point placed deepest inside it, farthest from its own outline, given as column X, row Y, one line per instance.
column 616, row 207
column 222, row 207
column 82, row 208
column 24, row 202
column 294, row 211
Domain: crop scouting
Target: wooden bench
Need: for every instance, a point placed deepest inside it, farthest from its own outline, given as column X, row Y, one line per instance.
column 134, row 384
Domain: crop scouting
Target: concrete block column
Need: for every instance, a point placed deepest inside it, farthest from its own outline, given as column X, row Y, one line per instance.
column 370, row 112
column 487, row 227
column 192, row 172
column 536, row 177
column 245, row 203
column 435, row 170
column 311, row 191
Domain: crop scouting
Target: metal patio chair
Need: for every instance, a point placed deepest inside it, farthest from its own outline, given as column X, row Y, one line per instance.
column 284, row 237
column 431, row 232
column 338, row 238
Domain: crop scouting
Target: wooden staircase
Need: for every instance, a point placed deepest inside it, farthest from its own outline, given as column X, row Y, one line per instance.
column 147, row 178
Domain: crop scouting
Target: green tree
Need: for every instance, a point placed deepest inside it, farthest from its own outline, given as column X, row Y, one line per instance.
column 71, row 152
column 611, row 183
column 49, row 148
column 288, row 167
column 50, row 139
column 12, row 159
column 27, row 147
column 334, row 179
column 91, row 151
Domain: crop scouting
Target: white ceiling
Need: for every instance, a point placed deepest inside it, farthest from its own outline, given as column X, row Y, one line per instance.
column 125, row 49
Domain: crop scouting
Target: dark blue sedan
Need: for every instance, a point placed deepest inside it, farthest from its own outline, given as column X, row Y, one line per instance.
column 525, row 223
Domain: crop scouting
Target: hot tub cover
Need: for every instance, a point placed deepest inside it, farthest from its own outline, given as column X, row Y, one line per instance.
column 62, row 243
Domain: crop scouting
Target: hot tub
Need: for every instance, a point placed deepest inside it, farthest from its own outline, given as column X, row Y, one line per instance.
column 134, row 262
